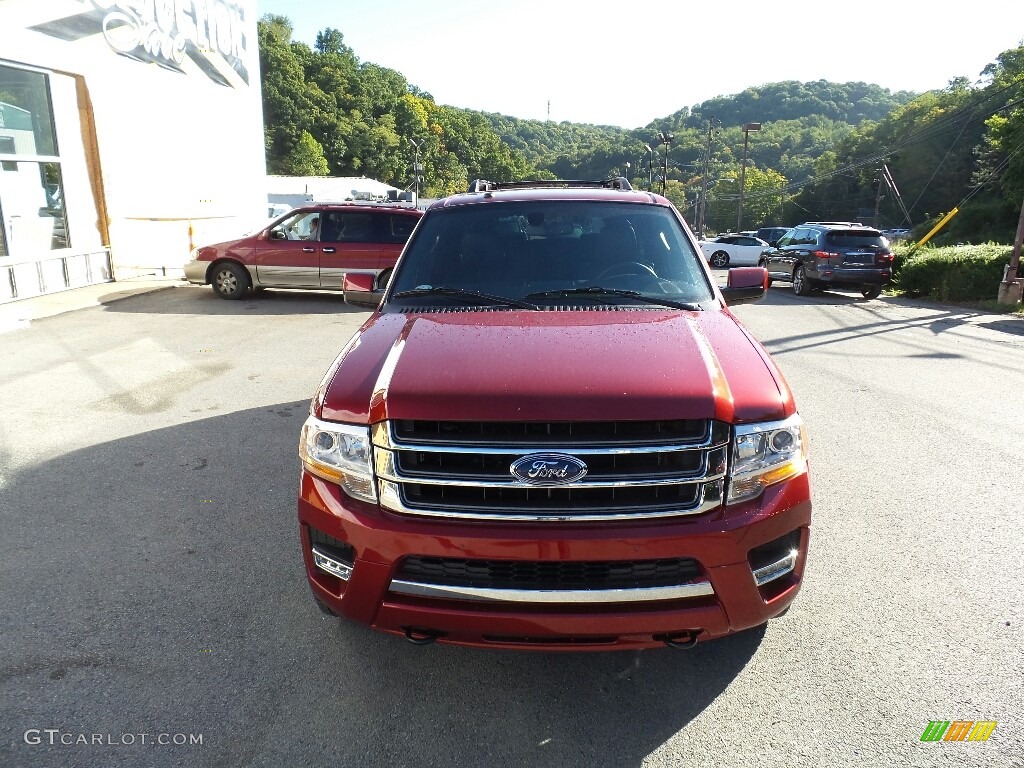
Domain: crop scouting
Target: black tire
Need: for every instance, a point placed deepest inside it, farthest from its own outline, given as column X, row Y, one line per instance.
column 383, row 278
column 801, row 284
column 764, row 265
column 230, row 280
column 871, row 291
column 719, row 259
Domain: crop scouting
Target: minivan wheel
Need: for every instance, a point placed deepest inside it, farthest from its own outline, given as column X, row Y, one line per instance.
column 719, row 259
column 871, row 291
column 230, row 280
column 801, row 285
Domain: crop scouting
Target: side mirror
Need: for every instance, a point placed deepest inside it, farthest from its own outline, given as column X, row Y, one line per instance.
column 358, row 288
column 278, row 234
column 745, row 285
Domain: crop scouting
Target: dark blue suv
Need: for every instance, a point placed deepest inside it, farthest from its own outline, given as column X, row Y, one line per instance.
column 833, row 254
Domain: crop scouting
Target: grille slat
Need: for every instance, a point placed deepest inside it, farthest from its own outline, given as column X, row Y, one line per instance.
column 505, row 434
column 550, row 575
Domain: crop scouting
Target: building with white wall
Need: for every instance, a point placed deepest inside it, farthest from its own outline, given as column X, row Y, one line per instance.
column 129, row 129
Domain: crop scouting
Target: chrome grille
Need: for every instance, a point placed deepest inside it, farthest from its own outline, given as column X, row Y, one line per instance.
column 555, row 574
column 635, row 470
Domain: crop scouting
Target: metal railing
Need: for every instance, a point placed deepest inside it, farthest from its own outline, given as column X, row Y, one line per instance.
column 98, row 269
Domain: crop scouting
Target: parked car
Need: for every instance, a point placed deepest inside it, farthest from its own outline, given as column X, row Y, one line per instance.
column 833, row 254
column 772, row 235
column 308, row 247
column 900, row 233
column 552, row 433
column 733, row 250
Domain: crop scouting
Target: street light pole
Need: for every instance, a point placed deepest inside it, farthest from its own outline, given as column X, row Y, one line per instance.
column 416, row 167
column 743, row 171
column 666, row 139
column 650, row 166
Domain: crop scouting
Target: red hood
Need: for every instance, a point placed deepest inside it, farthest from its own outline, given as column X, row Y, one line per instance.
column 555, row 366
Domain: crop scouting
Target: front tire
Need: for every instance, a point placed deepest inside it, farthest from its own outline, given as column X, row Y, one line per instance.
column 871, row 291
column 230, row 280
column 801, row 285
column 719, row 259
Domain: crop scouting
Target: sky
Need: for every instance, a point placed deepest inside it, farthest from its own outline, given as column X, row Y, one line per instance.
column 626, row 64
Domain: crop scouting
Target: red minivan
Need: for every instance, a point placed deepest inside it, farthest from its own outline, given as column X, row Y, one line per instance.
column 309, row 247
column 553, row 433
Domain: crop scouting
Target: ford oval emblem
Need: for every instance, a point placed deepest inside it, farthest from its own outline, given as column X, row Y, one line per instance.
column 548, row 469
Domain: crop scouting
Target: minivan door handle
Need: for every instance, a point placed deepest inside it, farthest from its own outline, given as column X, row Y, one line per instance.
column 329, row 250
column 308, row 250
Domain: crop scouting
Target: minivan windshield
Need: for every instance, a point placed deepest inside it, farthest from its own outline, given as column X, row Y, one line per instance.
column 546, row 251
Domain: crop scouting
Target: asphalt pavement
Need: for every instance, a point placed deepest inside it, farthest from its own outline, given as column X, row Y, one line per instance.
column 151, row 583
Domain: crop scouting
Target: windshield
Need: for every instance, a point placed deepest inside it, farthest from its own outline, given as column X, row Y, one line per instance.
column 530, row 249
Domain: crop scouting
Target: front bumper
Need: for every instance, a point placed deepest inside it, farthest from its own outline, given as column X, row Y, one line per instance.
column 725, row 598
column 854, row 275
column 195, row 271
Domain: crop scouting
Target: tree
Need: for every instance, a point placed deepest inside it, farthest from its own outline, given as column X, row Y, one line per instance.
column 307, row 158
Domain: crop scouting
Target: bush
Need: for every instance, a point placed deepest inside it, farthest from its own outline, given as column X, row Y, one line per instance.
column 952, row 273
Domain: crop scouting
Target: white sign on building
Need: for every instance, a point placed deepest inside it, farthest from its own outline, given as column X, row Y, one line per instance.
column 124, row 126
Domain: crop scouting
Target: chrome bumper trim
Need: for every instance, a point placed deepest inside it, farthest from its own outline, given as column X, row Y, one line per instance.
column 641, row 595
column 776, row 570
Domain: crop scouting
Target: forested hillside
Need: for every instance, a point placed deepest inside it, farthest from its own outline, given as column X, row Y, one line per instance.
column 818, row 154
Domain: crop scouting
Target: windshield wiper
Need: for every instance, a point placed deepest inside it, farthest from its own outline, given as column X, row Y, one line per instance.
column 467, row 295
column 598, row 291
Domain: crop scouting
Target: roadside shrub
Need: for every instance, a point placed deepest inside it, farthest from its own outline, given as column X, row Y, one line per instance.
column 952, row 273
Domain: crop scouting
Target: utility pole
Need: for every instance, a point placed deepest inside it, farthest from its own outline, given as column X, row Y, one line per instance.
column 878, row 199
column 650, row 166
column 743, row 172
column 889, row 180
column 1011, row 289
column 704, row 178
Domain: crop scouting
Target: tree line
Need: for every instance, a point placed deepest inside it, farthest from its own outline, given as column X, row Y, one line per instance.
column 818, row 154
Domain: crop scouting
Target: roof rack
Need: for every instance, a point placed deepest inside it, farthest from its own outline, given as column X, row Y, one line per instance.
column 839, row 223
column 482, row 185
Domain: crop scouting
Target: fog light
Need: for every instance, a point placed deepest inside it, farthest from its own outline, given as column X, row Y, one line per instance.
column 329, row 565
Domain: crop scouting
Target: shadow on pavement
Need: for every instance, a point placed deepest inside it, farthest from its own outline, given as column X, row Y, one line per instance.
column 154, row 584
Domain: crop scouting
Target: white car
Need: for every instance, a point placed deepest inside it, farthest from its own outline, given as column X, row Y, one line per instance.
column 733, row 251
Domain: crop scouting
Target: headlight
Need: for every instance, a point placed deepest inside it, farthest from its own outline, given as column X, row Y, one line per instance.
column 766, row 453
column 340, row 453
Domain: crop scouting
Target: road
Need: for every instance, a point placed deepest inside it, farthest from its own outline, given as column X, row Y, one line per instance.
column 151, row 581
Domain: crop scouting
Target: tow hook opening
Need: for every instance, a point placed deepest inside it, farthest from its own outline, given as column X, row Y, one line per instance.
column 419, row 636
column 682, row 640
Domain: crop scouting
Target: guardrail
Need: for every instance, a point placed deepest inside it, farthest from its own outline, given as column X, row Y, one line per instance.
column 76, row 270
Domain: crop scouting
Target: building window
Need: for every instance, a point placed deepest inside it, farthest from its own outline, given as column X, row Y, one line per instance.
column 32, row 216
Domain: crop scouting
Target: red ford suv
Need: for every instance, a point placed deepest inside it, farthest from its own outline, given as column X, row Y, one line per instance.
column 553, row 433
